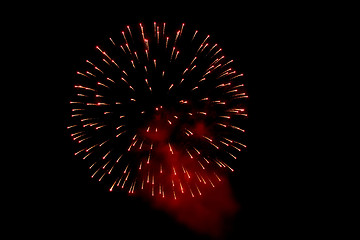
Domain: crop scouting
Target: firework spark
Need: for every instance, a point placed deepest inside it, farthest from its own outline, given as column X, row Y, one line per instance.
column 159, row 111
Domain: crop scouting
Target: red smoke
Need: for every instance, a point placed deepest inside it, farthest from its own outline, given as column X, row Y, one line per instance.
column 198, row 197
column 209, row 214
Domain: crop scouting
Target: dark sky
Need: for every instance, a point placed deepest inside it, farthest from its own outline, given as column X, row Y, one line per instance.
column 87, row 209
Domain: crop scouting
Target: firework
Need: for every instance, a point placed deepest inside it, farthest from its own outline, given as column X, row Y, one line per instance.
column 159, row 111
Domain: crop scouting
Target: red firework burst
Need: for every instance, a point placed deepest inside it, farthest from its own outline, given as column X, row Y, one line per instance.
column 159, row 111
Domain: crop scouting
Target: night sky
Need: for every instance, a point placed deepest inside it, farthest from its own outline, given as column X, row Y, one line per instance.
column 87, row 209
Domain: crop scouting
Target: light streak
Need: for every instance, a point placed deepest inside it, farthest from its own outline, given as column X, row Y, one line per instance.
column 106, row 164
column 189, row 154
column 106, row 154
column 148, row 159
column 194, row 35
column 112, row 186
column 182, row 28
column 128, row 27
column 171, row 150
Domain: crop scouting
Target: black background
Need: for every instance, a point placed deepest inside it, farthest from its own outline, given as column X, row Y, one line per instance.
column 255, row 37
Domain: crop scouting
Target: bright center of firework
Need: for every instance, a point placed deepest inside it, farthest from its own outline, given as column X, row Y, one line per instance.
column 159, row 111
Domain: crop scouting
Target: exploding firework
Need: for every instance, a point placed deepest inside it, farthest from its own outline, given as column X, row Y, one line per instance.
column 159, row 111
